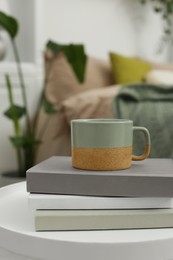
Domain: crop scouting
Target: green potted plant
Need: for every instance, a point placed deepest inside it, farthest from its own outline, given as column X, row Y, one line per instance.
column 165, row 9
column 24, row 140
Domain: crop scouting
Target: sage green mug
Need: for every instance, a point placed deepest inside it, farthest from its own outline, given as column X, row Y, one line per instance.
column 105, row 144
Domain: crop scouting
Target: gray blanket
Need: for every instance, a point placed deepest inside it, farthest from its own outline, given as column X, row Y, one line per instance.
column 150, row 106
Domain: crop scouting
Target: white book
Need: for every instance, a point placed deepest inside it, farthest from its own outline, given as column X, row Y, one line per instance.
column 52, row 201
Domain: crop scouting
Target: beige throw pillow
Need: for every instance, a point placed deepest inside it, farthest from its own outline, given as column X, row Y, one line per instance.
column 95, row 103
column 62, row 82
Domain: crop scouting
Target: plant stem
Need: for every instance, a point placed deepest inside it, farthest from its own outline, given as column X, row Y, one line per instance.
column 14, row 116
column 22, row 84
column 15, row 122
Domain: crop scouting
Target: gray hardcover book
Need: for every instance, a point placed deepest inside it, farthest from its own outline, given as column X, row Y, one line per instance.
column 53, row 220
column 148, row 178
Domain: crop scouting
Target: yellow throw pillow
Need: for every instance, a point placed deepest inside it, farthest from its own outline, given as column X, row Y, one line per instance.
column 128, row 70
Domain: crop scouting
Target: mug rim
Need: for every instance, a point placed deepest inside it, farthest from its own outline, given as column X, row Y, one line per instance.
column 101, row 120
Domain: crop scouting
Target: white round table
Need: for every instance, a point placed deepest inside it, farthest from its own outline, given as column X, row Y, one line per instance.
column 17, row 236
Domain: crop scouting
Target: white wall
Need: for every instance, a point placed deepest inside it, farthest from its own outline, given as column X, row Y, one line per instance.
column 102, row 25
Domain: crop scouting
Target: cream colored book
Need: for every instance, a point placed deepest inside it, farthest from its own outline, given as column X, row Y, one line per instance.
column 56, row 220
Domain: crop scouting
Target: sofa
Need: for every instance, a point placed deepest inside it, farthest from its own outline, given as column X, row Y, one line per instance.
column 92, row 99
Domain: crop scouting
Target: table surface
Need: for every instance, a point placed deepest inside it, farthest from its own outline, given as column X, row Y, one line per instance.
column 17, row 235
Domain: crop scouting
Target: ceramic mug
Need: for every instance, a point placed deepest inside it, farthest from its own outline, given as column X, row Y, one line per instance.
column 105, row 144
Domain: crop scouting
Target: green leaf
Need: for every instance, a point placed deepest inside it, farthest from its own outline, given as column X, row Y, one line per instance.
column 9, row 23
column 75, row 54
column 77, row 58
column 24, row 141
column 19, row 111
column 143, row 1
column 54, row 47
column 157, row 9
column 49, row 107
column 169, row 7
column 167, row 31
column 17, row 141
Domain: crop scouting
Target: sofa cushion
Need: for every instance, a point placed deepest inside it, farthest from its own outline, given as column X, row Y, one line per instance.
column 162, row 66
column 128, row 70
column 95, row 103
column 62, row 82
column 159, row 77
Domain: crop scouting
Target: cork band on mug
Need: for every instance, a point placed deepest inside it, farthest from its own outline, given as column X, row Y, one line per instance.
column 102, row 158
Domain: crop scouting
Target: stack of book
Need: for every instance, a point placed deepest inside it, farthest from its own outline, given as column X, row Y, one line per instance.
column 65, row 198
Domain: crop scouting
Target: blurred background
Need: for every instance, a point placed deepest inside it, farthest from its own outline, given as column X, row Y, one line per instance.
column 123, row 26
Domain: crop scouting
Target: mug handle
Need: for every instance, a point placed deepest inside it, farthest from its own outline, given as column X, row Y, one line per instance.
column 147, row 146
